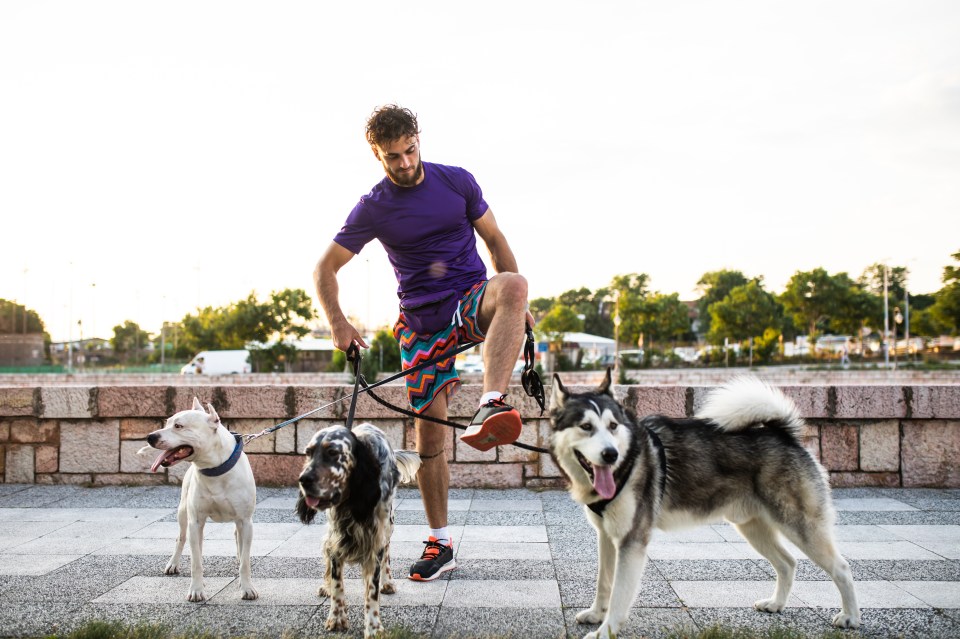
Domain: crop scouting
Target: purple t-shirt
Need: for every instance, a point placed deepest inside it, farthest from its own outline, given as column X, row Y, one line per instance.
column 426, row 229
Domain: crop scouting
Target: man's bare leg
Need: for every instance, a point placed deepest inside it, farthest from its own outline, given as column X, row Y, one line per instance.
column 434, row 474
column 503, row 312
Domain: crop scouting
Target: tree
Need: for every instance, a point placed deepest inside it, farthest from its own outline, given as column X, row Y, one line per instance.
column 661, row 318
column 872, row 280
column 812, row 298
column 946, row 309
column 13, row 316
column 561, row 319
column 628, row 293
column 713, row 287
column 128, row 338
column 745, row 313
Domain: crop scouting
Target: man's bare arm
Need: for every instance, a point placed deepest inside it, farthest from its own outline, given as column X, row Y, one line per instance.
column 328, row 292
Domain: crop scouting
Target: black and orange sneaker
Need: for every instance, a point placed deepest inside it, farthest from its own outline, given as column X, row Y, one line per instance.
column 494, row 424
column 437, row 558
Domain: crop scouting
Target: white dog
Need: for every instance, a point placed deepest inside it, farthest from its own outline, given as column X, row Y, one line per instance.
column 218, row 485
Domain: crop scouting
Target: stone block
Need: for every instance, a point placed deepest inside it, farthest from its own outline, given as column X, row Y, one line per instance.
column 548, row 468
column 139, row 428
column 308, row 398
column 16, row 401
column 5, row 429
column 285, row 439
column 67, row 402
column 466, row 453
column 70, row 479
column 838, row 447
column 90, row 446
column 530, row 435
column 131, row 462
column 19, row 467
column 486, row 475
column 812, row 401
column 135, row 401
column 545, row 482
column 856, row 479
column 393, row 431
column 232, row 402
column 3, row 459
column 870, row 402
column 276, row 470
column 661, row 400
column 880, row 446
column 33, row 431
column 47, row 459
column 929, row 454
column 306, row 429
column 125, row 479
column 252, row 427
column 812, row 444
column 935, row 402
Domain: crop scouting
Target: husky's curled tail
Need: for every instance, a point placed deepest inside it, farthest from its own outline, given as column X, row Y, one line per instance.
column 747, row 401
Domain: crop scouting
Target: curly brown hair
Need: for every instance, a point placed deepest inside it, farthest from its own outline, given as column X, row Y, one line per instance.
column 389, row 123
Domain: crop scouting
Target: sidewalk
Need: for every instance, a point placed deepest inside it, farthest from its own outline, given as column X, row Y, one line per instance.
column 526, row 560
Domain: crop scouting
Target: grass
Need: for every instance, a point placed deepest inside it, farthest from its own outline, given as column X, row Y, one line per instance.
column 118, row 630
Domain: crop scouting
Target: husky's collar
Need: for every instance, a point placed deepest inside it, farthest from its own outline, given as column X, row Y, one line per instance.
column 231, row 460
column 599, row 506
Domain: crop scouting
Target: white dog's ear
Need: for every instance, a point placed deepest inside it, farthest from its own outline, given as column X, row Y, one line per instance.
column 212, row 417
column 558, row 394
column 196, row 404
column 604, row 387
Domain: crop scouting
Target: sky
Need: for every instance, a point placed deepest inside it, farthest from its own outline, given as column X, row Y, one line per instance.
column 157, row 157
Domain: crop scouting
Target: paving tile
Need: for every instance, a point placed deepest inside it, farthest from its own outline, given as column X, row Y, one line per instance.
column 726, row 594
column 870, row 594
column 507, row 534
column 884, row 550
column 60, row 546
column 256, row 621
column 500, row 505
column 278, row 503
column 417, row 505
column 877, row 504
column 171, row 589
column 924, row 533
column 694, row 550
column 651, row 623
column 912, row 570
column 532, row 623
column 502, row 550
column 211, row 547
column 899, row 623
column 502, row 593
column 938, row 594
column 272, row 592
column 945, row 549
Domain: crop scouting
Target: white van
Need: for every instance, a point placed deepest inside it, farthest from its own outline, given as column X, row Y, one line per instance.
column 218, row 363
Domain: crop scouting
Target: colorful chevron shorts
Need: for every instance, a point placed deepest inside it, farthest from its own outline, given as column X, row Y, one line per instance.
column 424, row 385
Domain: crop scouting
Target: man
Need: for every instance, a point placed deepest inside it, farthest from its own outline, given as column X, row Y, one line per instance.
column 425, row 216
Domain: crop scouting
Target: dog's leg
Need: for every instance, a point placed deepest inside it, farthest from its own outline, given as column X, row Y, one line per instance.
column 765, row 540
column 337, row 619
column 173, row 566
column 371, row 594
column 244, row 536
column 822, row 550
column 386, row 579
column 631, row 561
column 607, row 561
column 196, row 560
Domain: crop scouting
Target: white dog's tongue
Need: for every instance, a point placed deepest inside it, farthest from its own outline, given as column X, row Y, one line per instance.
column 159, row 460
column 603, row 482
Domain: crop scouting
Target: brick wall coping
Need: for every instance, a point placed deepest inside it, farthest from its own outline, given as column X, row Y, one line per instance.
column 279, row 402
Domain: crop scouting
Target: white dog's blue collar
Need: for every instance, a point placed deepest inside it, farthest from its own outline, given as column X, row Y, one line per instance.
column 231, row 460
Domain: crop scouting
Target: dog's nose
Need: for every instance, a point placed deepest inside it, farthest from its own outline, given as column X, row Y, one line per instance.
column 152, row 439
column 609, row 454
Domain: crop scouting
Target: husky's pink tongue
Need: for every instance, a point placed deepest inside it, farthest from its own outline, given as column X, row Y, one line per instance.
column 603, row 482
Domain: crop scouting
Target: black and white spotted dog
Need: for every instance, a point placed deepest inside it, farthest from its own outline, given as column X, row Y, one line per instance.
column 353, row 475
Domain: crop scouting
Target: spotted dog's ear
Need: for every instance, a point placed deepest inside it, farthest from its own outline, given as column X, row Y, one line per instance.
column 304, row 512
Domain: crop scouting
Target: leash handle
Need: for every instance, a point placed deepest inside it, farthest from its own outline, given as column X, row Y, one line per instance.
column 353, row 355
column 529, row 378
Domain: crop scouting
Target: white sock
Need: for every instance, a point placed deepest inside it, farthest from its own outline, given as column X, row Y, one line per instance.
column 490, row 395
column 442, row 535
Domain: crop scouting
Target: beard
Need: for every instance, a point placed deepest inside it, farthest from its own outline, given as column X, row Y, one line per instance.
column 408, row 178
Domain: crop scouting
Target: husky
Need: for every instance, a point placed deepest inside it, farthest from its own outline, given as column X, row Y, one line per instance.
column 739, row 459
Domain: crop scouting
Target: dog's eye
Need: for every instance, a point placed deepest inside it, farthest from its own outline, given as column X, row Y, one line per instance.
column 331, row 453
column 613, row 426
column 178, row 425
column 587, row 426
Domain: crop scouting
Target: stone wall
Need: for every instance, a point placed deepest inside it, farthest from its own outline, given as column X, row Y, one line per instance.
column 876, row 435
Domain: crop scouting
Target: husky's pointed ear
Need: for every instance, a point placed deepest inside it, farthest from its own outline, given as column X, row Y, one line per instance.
column 304, row 512
column 604, row 387
column 558, row 394
column 212, row 416
column 196, row 404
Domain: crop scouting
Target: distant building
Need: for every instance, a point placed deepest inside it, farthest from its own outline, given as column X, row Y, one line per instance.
column 22, row 349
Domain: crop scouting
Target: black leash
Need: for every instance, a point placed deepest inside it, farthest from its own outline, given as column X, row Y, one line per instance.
column 529, row 379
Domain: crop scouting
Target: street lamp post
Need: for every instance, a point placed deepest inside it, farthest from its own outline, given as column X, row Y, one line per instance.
column 897, row 319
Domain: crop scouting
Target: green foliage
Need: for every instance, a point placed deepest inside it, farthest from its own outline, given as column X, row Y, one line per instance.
column 946, row 309
column 660, row 318
column 559, row 320
column 715, row 286
column 128, row 340
column 747, row 311
column 338, row 363
column 815, row 298
column 13, row 315
column 384, row 355
column 282, row 318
